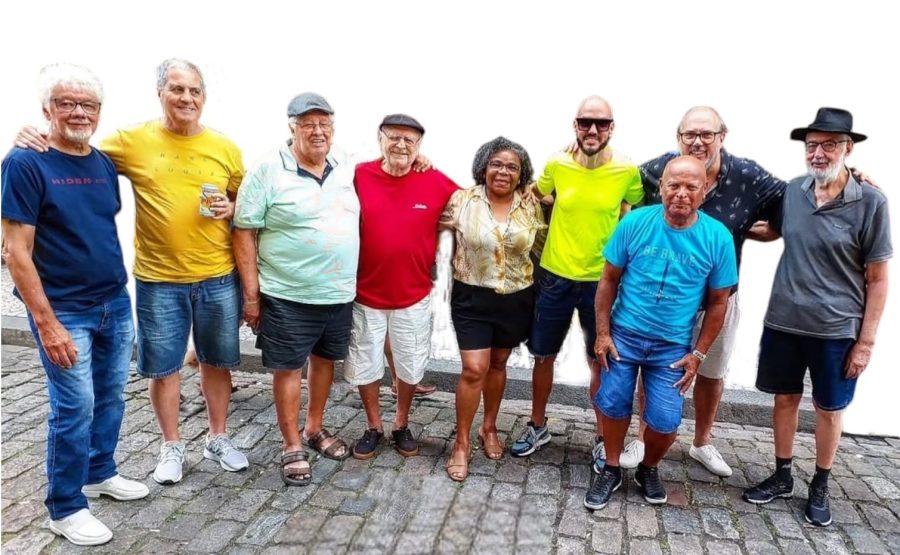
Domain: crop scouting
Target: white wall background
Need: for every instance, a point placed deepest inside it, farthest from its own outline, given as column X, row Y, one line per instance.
column 473, row 70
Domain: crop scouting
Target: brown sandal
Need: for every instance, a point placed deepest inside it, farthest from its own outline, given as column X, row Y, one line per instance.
column 293, row 474
column 458, row 466
column 490, row 442
column 328, row 449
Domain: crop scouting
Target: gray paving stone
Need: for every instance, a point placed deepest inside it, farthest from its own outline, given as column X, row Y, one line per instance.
column 263, row 529
column 681, row 544
column 215, row 536
column 641, row 521
column 574, row 523
column 681, row 521
column 570, row 546
column 786, row 525
column 864, row 540
column 30, row 542
column 796, row 547
column 882, row 487
column 754, row 527
column 606, row 536
column 543, row 479
column 645, row 547
column 829, row 543
column 244, row 505
column 717, row 523
column 361, row 506
column 184, row 527
column 302, row 526
column 755, row 547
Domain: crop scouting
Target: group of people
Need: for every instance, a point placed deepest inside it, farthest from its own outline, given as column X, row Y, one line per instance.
column 329, row 258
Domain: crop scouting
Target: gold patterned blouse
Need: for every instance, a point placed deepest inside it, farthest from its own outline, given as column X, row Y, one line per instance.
column 489, row 253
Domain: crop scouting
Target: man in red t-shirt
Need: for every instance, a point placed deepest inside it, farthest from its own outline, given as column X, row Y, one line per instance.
column 399, row 212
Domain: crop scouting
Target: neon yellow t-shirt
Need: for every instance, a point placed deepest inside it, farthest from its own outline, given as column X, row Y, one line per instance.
column 585, row 212
column 173, row 242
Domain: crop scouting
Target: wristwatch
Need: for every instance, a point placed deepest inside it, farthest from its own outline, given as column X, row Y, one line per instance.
column 700, row 356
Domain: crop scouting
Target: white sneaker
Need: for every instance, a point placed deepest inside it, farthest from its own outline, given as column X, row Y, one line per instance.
column 171, row 459
column 81, row 528
column 117, row 487
column 632, row 455
column 709, row 457
column 221, row 449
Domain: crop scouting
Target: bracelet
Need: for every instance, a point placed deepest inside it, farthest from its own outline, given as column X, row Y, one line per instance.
column 700, row 356
column 251, row 302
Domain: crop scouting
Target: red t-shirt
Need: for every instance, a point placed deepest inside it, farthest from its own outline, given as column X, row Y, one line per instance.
column 398, row 234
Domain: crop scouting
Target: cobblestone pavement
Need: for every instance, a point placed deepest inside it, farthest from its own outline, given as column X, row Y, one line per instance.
column 393, row 504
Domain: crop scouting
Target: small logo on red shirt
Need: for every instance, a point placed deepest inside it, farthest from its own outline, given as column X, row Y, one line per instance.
column 420, row 207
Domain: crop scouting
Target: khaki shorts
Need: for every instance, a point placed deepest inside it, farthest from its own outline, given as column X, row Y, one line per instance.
column 410, row 332
column 715, row 367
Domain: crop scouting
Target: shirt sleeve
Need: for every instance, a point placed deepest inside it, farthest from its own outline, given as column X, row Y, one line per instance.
column 769, row 194
column 876, row 240
column 113, row 145
column 635, row 191
column 235, row 171
column 253, row 199
column 545, row 184
column 724, row 272
column 450, row 216
column 616, row 250
column 22, row 190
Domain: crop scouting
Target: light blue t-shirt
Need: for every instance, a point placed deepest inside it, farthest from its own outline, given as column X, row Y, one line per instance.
column 667, row 272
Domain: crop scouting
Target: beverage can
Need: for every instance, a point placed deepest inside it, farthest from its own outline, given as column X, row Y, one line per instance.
column 208, row 195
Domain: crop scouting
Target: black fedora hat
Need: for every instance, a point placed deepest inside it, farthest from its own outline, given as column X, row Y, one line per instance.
column 830, row 120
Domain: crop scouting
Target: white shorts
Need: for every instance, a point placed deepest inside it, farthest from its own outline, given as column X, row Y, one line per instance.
column 715, row 367
column 410, row 332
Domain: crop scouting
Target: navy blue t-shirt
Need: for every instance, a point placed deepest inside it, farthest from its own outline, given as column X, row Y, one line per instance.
column 72, row 201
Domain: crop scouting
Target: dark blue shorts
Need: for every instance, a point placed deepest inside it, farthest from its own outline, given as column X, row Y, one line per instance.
column 289, row 331
column 784, row 358
column 556, row 299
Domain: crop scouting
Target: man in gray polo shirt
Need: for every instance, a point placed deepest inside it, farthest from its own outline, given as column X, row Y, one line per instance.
column 826, row 302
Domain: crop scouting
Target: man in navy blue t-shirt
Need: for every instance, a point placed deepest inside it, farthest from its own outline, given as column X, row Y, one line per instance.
column 62, row 250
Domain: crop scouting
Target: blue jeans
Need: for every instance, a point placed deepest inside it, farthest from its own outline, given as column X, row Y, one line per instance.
column 662, row 411
column 166, row 312
column 86, row 402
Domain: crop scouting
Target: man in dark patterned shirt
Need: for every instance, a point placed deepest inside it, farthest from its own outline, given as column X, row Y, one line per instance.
column 739, row 192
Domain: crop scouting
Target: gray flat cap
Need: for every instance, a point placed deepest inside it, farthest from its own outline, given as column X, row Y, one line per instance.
column 402, row 120
column 308, row 102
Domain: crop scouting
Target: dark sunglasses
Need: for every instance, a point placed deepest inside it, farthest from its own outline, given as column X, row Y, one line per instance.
column 585, row 124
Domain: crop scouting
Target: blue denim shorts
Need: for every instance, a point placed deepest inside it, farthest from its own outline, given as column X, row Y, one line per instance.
column 556, row 299
column 664, row 403
column 784, row 358
column 166, row 312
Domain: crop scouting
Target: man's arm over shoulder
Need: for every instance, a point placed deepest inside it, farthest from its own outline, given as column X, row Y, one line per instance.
column 546, row 183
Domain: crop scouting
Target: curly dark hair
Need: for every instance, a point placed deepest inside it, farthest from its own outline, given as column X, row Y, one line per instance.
column 488, row 149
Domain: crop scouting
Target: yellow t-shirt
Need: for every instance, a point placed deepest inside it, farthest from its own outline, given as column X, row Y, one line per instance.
column 585, row 212
column 173, row 242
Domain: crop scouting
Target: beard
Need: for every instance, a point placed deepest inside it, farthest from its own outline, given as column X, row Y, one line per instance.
column 77, row 136
column 591, row 151
column 827, row 175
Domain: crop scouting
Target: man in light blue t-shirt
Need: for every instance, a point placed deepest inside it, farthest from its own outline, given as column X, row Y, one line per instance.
column 663, row 263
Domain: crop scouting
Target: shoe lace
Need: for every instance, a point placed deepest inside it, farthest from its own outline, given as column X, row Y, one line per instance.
column 711, row 453
column 171, row 452
column 604, row 481
column 599, row 450
column 221, row 444
column 818, row 495
column 405, row 434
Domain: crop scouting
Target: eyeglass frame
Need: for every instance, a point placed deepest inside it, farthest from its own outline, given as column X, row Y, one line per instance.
column 57, row 100
column 699, row 135
column 498, row 166
column 816, row 144
column 397, row 139
column 603, row 124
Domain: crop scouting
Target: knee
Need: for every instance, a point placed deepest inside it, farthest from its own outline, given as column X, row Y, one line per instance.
column 787, row 402
column 832, row 417
column 473, row 374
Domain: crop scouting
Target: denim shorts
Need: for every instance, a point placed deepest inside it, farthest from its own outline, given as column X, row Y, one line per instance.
column 289, row 331
column 664, row 403
column 166, row 312
column 784, row 358
column 556, row 299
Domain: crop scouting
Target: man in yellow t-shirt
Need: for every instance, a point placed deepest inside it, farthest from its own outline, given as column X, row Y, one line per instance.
column 592, row 187
column 184, row 269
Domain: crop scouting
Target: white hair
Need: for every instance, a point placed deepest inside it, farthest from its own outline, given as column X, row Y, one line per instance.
column 162, row 72
column 69, row 76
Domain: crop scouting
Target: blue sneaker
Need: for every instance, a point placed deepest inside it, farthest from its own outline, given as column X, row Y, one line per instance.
column 530, row 440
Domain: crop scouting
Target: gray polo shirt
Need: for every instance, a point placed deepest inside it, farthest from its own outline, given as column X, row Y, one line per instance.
column 820, row 284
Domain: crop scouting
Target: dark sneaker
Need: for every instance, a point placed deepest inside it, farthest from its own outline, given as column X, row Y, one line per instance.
column 647, row 478
column 598, row 453
column 818, row 508
column 367, row 444
column 530, row 440
column 404, row 442
column 602, row 489
column 769, row 489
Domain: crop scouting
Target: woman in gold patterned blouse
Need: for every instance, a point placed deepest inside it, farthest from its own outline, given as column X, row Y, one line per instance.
column 495, row 224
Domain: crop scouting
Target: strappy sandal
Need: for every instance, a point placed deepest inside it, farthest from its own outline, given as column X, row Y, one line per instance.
column 490, row 442
column 458, row 466
column 290, row 475
column 331, row 451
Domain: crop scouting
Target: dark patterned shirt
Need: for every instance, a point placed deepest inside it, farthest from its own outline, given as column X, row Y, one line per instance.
column 744, row 194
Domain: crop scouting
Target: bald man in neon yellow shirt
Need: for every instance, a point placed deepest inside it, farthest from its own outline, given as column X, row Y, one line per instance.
column 593, row 187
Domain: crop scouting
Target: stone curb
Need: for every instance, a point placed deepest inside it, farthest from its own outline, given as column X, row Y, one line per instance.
column 738, row 406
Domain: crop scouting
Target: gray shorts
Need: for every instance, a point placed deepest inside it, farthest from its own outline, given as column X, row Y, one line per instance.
column 715, row 367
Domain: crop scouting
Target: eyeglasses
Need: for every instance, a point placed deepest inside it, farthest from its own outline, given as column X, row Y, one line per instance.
column 397, row 139
column 66, row 105
column 706, row 137
column 585, row 124
column 497, row 165
column 827, row 146
column 311, row 127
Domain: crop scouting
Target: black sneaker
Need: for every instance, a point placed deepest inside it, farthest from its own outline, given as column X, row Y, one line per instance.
column 769, row 489
column 647, row 478
column 602, row 489
column 366, row 445
column 404, row 442
column 818, row 509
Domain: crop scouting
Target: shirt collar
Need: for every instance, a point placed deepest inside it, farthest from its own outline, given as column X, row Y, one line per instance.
column 852, row 190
